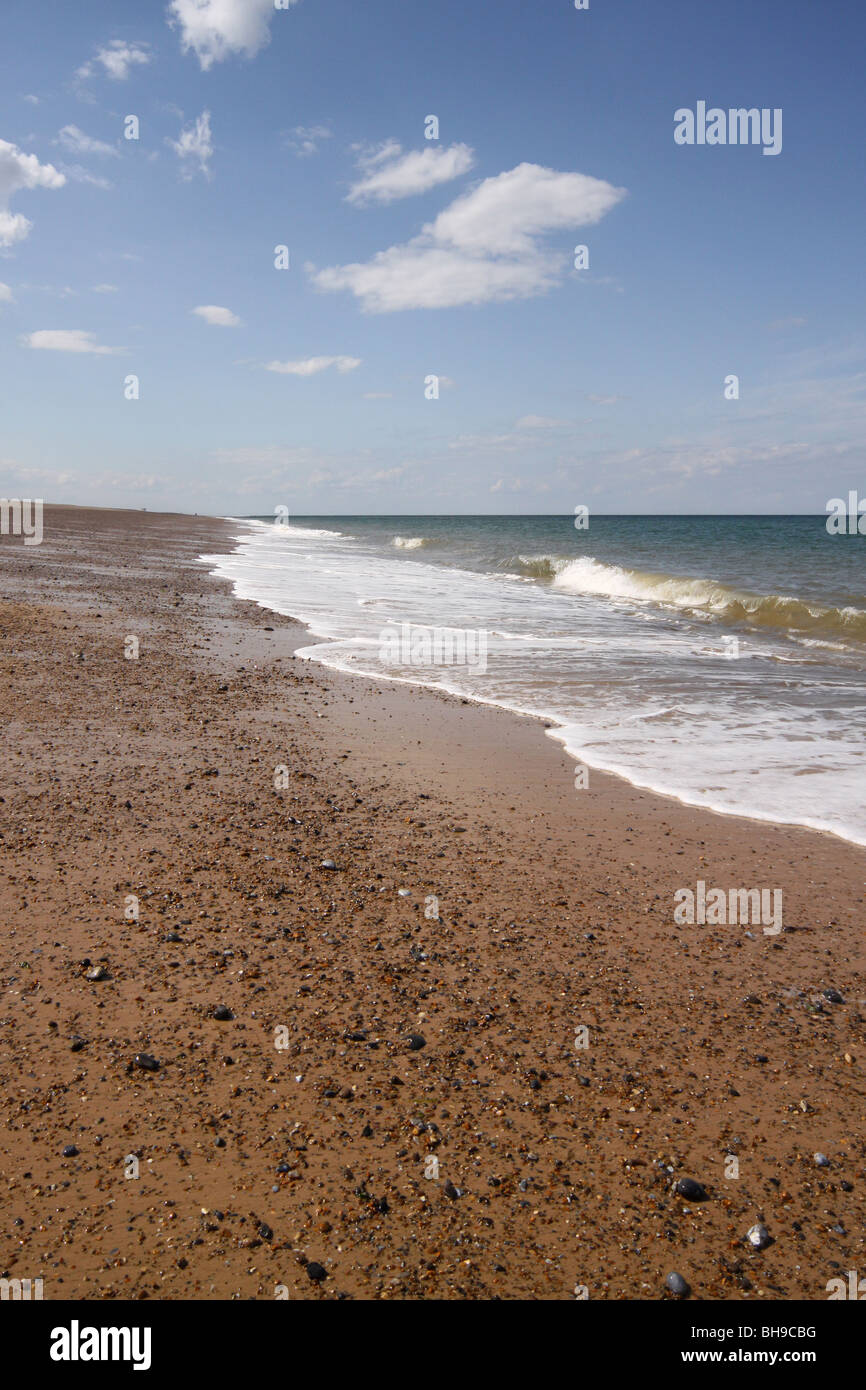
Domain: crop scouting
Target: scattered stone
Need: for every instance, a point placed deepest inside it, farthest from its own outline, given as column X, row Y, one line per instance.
column 146, row 1062
column 451, row 1191
column 265, row 1231
column 77, row 1042
column 316, row 1272
column 70, row 1151
column 822, row 1160
column 223, row 1013
column 416, row 1042
column 759, row 1236
column 833, row 996
column 327, row 864
column 403, row 893
column 677, row 1285
column 691, row 1190
column 98, row 972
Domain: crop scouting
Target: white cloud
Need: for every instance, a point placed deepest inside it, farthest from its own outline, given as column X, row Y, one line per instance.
column 19, row 171
column 485, row 246
column 309, row 366
column 390, row 174
column 117, row 59
column 215, row 29
column 195, row 143
column 67, row 340
column 539, row 422
column 215, row 314
column 71, row 138
column 34, row 101
column 105, row 289
column 78, row 174
column 5, row 294
column 304, row 139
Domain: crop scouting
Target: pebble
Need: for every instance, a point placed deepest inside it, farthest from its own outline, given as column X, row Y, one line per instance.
column 416, row 1042
column 327, row 864
column 691, row 1190
column 98, row 972
column 77, row 1042
column 758, row 1236
column 316, row 1272
column 146, row 1062
column 403, row 893
column 451, row 1191
column 223, row 1013
column 822, row 1160
column 833, row 996
column 70, row 1151
column 677, row 1285
column 265, row 1231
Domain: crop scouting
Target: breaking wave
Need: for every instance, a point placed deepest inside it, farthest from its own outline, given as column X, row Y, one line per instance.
column 701, row 596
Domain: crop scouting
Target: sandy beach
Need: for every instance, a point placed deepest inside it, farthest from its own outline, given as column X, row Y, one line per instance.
column 396, row 1103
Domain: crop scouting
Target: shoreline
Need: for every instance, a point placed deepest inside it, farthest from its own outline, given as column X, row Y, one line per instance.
column 563, row 1159
column 549, row 722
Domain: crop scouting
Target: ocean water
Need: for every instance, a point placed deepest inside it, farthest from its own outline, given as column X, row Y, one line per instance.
column 716, row 659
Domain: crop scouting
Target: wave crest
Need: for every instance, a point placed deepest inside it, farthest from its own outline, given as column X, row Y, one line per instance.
column 710, row 597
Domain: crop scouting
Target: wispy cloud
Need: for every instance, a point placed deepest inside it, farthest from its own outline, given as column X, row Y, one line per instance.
column 194, row 145
column 310, row 366
column 75, row 140
column 217, row 315
column 389, row 173
column 67, row 340
column 78, row 174
column 305, row 139
column 117, row 59
column 487, row 245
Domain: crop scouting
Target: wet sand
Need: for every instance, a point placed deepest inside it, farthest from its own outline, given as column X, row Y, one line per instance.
column 297, row 1137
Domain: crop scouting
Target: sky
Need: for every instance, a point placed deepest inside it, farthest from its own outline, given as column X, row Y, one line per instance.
column 156, row 352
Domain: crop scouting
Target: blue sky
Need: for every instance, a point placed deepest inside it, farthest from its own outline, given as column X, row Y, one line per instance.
column 411, row 257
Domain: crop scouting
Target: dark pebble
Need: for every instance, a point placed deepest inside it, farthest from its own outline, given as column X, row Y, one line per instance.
column 146, row 1062
column 223, row 1013
column 416, row 1042
column 833, row 996
column 70, row 1151
column 677, row 1285
column 691, row 1190
column 316, row 1272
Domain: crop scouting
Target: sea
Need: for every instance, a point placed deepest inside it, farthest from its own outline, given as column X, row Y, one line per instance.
column 716, row 659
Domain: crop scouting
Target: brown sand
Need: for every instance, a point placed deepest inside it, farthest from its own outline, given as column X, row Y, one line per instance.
column 155, row 778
